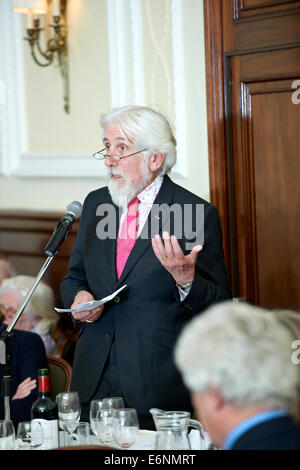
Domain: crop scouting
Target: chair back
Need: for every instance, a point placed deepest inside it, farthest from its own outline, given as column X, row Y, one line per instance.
column 60, row 375
column 65, row 338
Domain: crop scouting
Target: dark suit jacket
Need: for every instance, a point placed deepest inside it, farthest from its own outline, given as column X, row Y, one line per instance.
column 28, row 355
column 275, row 434
column 146, row 318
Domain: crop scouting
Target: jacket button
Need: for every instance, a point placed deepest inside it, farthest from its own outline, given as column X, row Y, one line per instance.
column 107, row 337
column 117, row 299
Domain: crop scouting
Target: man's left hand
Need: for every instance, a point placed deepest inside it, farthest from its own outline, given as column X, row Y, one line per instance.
column 171, row 256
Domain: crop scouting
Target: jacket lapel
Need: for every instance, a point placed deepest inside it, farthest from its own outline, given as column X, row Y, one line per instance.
column 154, row 224
column 108, row 244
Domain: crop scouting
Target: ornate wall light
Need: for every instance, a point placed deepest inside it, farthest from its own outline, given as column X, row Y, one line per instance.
column 56, row 50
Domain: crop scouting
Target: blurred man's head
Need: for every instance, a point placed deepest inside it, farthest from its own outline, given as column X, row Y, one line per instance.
column 236, row 361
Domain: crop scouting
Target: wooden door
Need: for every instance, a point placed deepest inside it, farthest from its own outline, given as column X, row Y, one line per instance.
column 254, row 138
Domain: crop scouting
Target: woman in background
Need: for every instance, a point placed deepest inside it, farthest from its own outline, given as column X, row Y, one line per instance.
column 38, row 316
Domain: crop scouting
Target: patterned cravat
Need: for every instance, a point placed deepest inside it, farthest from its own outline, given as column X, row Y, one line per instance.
column 128, row 235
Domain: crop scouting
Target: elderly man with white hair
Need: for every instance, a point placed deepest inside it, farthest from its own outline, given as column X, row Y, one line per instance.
column 236, row 360
column 159, row 240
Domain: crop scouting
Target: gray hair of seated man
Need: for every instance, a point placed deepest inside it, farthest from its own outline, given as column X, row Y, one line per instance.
column 243, row 351
column 41, row 303
column 147, row 128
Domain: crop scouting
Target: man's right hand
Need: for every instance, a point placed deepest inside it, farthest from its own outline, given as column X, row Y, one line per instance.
column 90, row 316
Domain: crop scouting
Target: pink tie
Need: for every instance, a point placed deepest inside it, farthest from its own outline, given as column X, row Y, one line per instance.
column 128, row 235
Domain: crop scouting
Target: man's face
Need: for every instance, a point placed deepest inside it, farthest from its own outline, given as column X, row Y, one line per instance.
column 205, row 406
column 129, row 176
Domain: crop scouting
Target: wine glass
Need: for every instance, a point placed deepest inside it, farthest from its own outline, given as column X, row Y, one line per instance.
column 95, row 406
column 113, row 402
column 69, row 409
column 7, row 434
column 125, row 427
column 101, row 424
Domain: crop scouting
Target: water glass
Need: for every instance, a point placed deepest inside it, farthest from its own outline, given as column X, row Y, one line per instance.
column 69, row 409
column 80, row 436
column 125, row 427
column 7, row 435
column 24, row 435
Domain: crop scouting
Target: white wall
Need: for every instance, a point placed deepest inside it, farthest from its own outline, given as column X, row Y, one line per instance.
column 121, row 52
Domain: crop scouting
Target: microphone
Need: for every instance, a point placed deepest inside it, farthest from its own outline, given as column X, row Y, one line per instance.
column 61, row 230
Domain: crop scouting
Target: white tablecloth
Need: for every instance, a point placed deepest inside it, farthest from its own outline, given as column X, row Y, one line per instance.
column 146, row 440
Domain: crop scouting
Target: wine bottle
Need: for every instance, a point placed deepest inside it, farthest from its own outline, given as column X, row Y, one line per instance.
column 44, row 415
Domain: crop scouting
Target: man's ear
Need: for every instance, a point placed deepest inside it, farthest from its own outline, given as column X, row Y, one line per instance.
column 196, row 401
column 156, row 161
column 216, row 398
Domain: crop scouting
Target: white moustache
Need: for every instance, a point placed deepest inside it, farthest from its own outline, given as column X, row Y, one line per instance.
column 115, row 172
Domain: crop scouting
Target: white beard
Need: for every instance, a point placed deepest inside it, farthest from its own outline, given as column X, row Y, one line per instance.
column 122, row 196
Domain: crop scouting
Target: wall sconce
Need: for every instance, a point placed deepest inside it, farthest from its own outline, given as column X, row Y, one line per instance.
column 56, row 44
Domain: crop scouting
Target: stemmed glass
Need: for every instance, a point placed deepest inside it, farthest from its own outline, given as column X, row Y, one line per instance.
column 69, row 409
column 113, row 402
column 101, row 417
column 125, row 427
column 95, row 406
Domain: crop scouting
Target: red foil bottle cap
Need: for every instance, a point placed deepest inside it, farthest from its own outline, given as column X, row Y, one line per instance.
column 44, row 384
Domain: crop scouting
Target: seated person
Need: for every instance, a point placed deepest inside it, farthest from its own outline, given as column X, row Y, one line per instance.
column 39, row 315
column 236, row 361
column 28, row 355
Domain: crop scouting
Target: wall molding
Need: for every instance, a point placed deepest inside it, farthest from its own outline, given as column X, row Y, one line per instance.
column 126, row 67
column 179, row 88
column 11, row 121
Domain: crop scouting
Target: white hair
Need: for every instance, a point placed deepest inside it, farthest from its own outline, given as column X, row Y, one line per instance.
column 241, row 350
column 147, row 129
column 41, row 303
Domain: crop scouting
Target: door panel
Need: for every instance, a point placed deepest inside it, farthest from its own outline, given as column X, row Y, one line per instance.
column 261, row 70
column 267, row 191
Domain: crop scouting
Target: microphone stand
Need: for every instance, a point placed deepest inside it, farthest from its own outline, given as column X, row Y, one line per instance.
column 59, row 235
column 4, row 354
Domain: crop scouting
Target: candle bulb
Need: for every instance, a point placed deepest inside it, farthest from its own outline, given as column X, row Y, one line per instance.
column 56, row 8
column 29, row 20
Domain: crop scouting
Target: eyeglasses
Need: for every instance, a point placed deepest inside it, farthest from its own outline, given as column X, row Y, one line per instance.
column 101, row 155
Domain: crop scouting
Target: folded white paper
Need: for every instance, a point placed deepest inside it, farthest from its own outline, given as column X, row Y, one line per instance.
column 90, row 305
